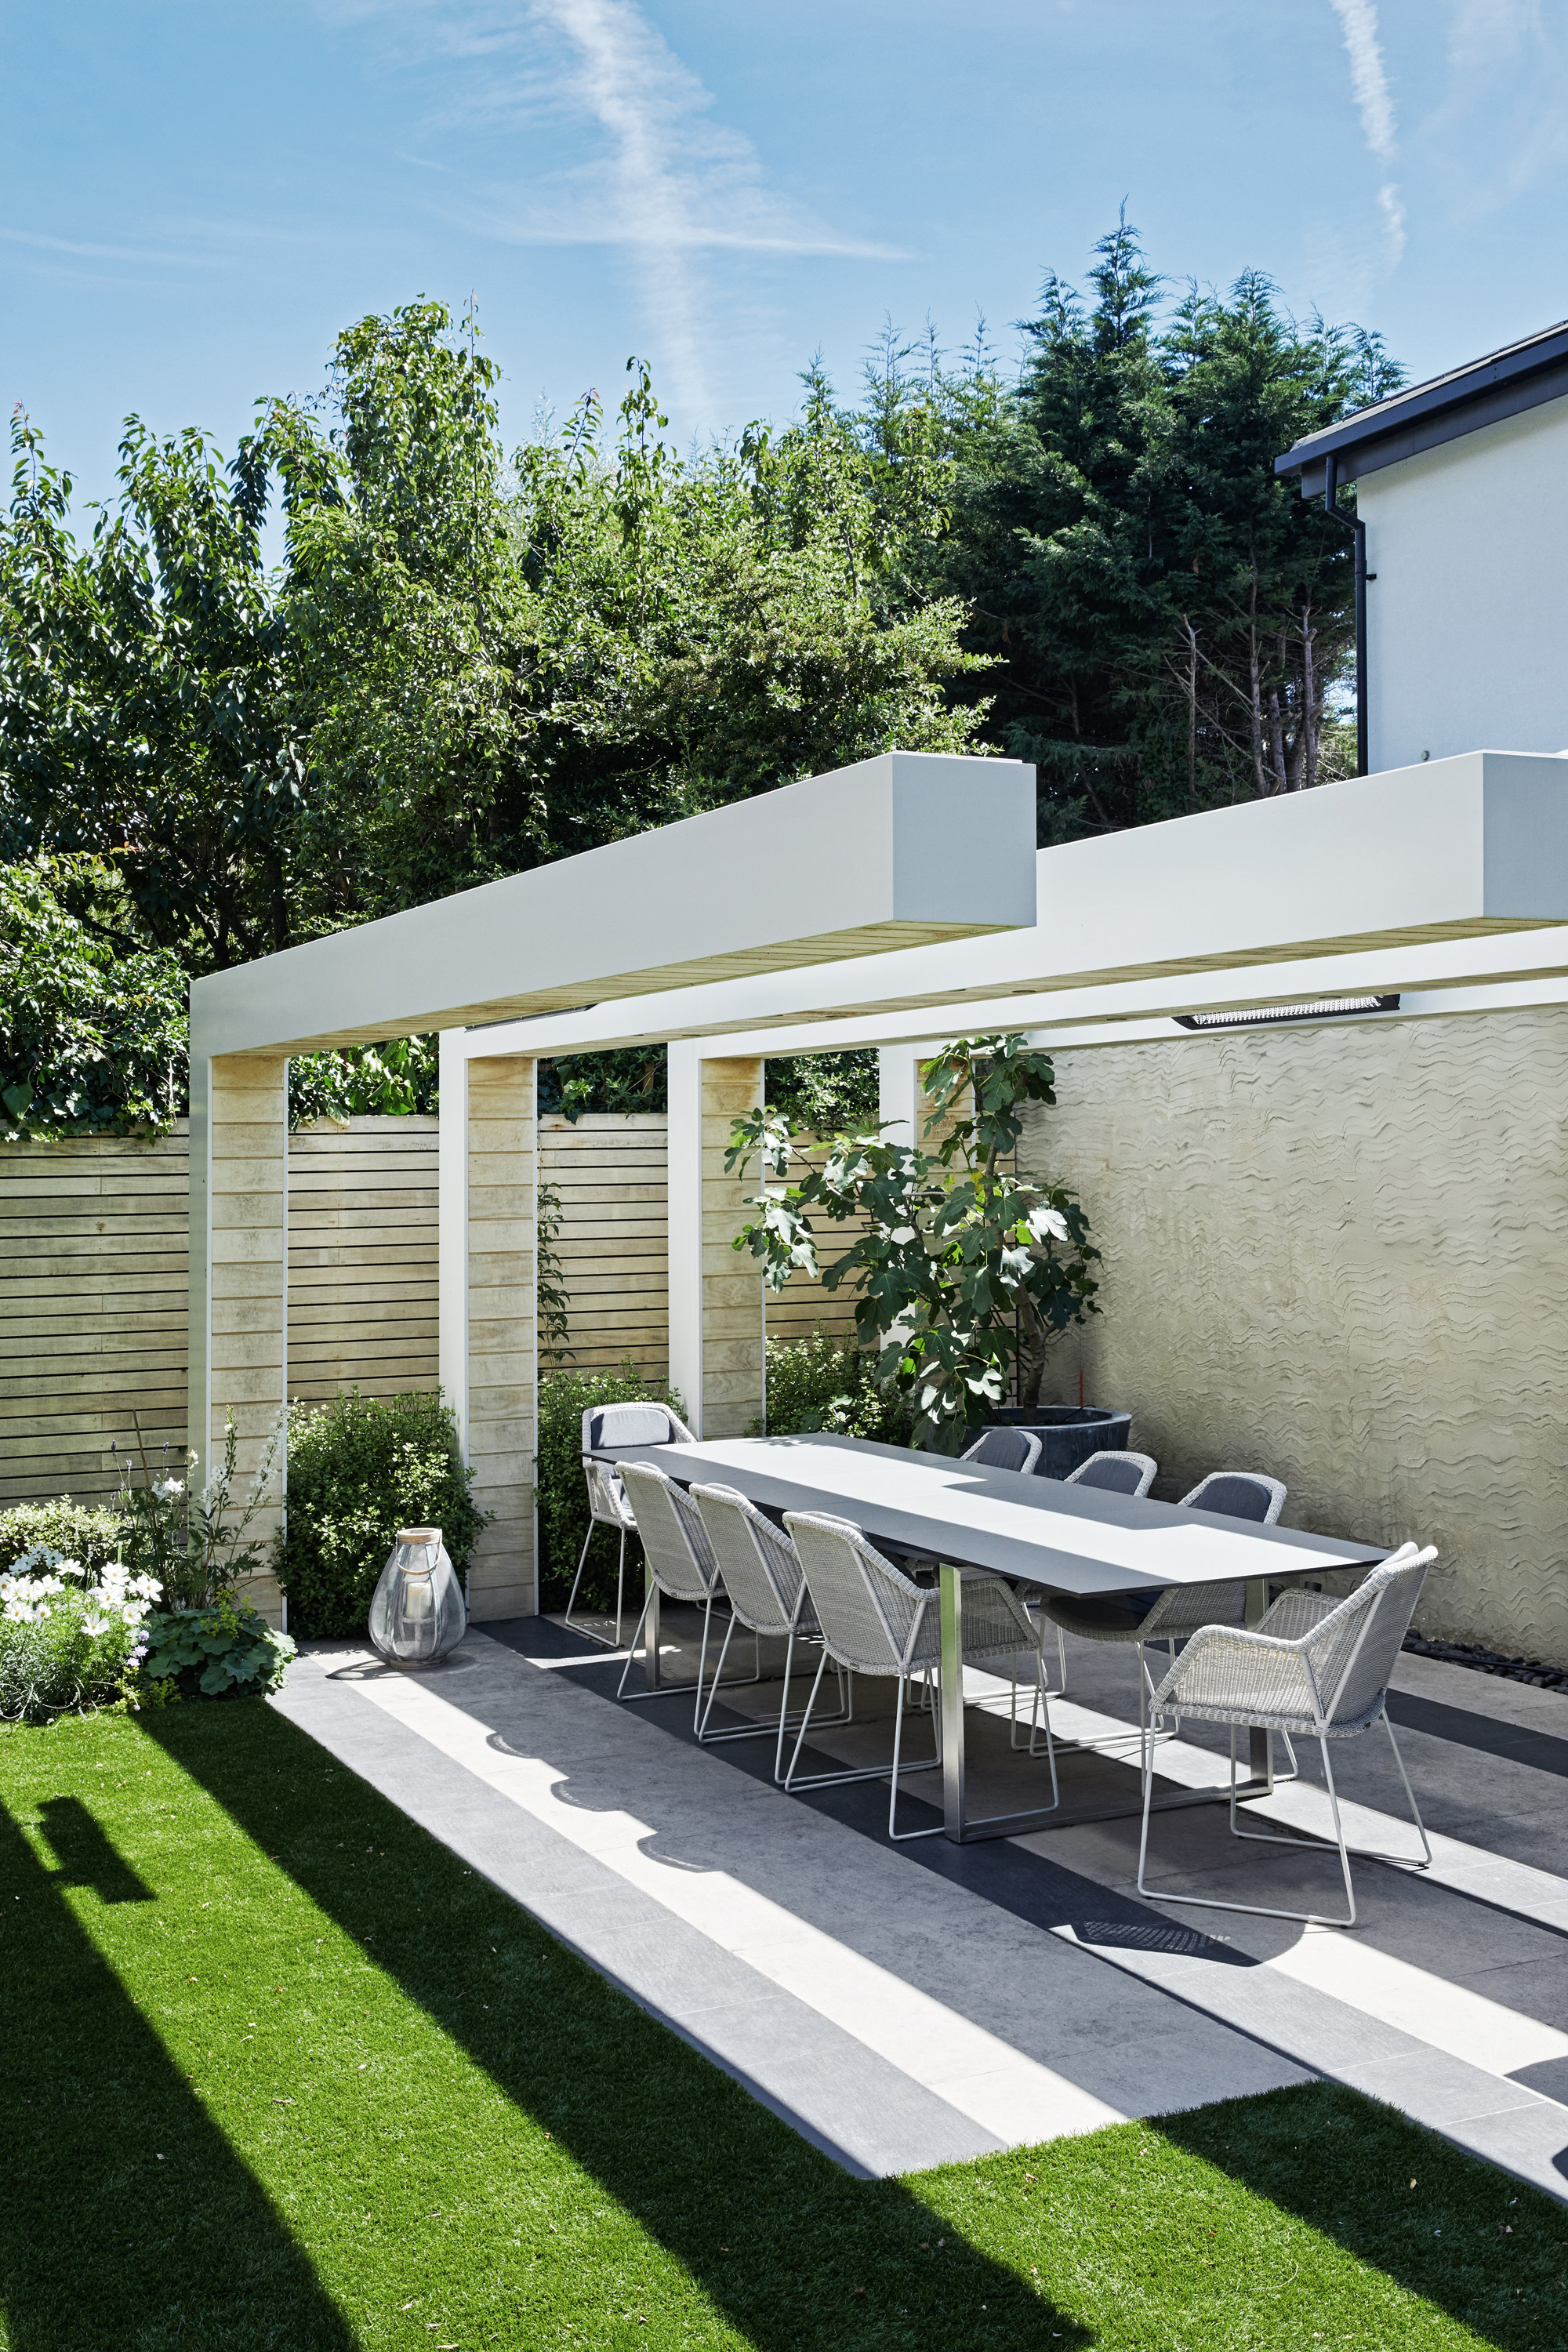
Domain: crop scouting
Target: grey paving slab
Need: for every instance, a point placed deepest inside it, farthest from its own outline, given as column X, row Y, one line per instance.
column 1444, row 2092
column 1142, row 2010
column 867, row 2114
column 1046, row 2006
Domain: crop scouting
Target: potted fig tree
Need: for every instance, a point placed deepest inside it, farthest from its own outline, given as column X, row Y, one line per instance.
column 968, row 1266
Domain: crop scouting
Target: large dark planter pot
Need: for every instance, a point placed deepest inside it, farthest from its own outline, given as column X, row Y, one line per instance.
column 1069, row 1433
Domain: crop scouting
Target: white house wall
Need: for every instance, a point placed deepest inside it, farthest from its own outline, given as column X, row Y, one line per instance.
column 1468, row 617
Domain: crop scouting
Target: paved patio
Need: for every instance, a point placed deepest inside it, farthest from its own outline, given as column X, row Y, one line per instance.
column 906, row 2005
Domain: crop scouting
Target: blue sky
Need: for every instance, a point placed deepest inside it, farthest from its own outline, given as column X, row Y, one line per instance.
column 195, row 196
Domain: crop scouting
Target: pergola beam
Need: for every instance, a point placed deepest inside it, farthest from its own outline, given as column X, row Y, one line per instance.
column 1430, row 876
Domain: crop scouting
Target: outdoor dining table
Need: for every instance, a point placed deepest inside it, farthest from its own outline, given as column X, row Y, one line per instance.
column 1067, row 1539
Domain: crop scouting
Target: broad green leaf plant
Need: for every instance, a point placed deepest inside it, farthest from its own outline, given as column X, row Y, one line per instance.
column 969, row 1266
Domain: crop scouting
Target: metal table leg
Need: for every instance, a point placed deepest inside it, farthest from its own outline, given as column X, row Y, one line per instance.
column 955, row 1821
column 650, row 1634
column 951, row 1587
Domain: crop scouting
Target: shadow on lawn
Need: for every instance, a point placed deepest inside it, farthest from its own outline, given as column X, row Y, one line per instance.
column 127, row 2220
column 795, row 2253
column 1489, row 2249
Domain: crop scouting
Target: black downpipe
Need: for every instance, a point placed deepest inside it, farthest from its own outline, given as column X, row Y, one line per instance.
column 1354, row 524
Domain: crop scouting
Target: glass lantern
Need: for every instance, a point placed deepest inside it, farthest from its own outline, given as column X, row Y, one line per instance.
column 417, row 1612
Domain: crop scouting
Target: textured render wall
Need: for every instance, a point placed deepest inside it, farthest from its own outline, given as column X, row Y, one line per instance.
column 1339, row 1254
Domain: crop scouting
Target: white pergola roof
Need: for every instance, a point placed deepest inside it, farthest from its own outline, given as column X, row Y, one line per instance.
column 902, row 850
column 1421, row 878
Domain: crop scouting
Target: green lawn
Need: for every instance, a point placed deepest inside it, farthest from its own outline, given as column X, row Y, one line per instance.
column 280, row 2072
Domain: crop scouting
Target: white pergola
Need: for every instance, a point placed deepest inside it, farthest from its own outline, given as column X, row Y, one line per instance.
column 737, row 935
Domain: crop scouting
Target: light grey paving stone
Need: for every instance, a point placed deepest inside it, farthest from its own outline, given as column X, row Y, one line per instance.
column 1531, row 2142
column 867, row 2115
column 1440, row 2090
column 1058, row 2007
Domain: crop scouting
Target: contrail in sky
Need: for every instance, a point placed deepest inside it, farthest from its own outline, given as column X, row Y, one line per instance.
column 1369, row 87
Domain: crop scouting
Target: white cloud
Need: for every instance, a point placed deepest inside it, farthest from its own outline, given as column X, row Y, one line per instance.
column 1374, row 103
column 665, row 183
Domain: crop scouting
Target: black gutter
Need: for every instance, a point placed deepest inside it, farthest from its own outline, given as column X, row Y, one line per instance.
column 1354, row 524
column 1503, row 383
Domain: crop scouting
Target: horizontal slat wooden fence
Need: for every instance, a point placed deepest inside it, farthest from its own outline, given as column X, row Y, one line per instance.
column 94, row 1263
column 92, row 1307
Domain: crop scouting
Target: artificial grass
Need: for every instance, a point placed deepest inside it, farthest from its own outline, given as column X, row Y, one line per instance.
column 280, row 2072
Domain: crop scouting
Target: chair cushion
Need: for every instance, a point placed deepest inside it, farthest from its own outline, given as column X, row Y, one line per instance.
column 1114, row 1474
column 1235, row 1497
column 625, row 1424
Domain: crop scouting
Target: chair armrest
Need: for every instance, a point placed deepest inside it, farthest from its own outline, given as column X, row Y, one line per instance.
column 1296, row 1613
column 1230, row 1671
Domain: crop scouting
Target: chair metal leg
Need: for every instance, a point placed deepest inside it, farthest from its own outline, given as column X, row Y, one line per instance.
column 862, row 1772
column 587, row 1632
column 760, row 1730
column 898, row 1836
column 1266, row 1837
column 662, row 1690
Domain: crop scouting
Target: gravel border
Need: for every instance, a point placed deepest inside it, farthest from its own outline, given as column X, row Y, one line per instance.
column 1490, row 1661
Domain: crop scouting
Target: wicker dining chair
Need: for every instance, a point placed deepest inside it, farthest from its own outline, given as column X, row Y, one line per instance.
column 1119, row 1472
column 767, row 1591
column 877, row 1621
column 1180, row 1609
column 637, row 1422
column 1004, row 1449
column 680, row 1561
column 1316, row 1667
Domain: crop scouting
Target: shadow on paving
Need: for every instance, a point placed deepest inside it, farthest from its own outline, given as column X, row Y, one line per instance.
column 128, row 2223
column 818, row 2260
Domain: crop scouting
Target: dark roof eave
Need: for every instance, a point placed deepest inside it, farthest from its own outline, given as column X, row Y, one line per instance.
column 1501, row 384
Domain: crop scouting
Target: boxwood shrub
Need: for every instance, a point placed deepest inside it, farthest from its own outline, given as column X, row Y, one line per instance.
column 76, row 1532
column 828, row 1383
column 359, row 1469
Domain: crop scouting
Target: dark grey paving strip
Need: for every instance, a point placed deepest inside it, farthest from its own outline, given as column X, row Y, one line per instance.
column 1516, row 1742
column 1028, row 1885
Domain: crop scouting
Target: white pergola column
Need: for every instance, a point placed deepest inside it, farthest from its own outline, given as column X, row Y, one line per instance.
column 717, row 1339
column 239, row 1278
column 489, row 1349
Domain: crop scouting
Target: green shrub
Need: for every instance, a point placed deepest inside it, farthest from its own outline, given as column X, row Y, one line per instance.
column 561, row 1494
column 359, row 1469
column 68, row 1644
column 226, row 1650
column 830, row 1384
column 93, row 1538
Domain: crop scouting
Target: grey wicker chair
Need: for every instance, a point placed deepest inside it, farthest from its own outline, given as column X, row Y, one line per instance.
column 1314, row 1666
column 635, row 1423
column 1004, row 1449
column 1181, row 1609
column 680, row 1559
column 877, row 1621
column 766, row 1586
column 1116, row 1473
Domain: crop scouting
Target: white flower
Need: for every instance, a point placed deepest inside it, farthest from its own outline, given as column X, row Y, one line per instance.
column 168, row 1486
column 95, row 1624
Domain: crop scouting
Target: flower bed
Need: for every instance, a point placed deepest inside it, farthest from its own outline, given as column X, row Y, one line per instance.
column 70, row 1643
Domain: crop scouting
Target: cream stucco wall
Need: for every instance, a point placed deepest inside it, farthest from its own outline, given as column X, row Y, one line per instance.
column 1339, row 1254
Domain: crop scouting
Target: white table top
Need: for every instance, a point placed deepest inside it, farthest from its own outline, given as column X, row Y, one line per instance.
column 1070, row 1539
